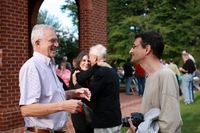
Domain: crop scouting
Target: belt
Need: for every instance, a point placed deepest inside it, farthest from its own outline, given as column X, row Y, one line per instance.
column 38, row 130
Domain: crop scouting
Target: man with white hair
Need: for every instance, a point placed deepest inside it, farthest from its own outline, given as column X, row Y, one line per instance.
column 105, row 94
column 43, row 101
column 187, row 78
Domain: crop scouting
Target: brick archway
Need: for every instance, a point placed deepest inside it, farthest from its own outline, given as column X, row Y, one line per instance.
column 16, row 21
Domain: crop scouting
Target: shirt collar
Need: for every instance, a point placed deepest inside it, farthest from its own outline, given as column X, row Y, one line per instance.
column 48, row 61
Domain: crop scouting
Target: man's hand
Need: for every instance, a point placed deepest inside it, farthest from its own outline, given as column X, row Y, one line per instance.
column 72, row 106
column 83, row 93
column 180, row 69
column 132, row 128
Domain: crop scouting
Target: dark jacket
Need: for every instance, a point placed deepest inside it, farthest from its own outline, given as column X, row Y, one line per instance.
column 78, row 119
column 105, row 95
column 128, row 70
column 83, row 80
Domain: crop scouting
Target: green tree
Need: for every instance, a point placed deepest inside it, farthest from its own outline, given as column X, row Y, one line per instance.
column 45, row 18
column 72, row 7
column 178, row 22
column 68, row 42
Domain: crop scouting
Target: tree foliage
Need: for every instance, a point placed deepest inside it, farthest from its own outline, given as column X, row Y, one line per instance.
column 178, row 21
column 72, row 7
column 68, row 43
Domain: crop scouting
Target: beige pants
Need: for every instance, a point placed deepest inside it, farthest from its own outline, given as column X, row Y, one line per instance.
column 116, row 129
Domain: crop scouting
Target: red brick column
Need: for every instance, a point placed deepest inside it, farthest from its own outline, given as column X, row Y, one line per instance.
column 14, row 44
column 93, row 23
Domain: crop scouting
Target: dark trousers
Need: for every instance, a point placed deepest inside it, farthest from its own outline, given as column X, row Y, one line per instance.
column 180, row 92
column 80, row 125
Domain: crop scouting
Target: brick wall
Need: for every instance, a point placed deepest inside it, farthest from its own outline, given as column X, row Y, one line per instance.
column 17, row 17
column 93, row 23
column 13, row 42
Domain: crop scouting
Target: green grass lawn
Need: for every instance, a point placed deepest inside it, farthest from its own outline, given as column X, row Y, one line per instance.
column 190, row 116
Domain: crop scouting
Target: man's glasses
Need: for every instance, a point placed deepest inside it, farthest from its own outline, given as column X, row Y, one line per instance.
column 184, row 54
column 134, row 46
column 53, row 41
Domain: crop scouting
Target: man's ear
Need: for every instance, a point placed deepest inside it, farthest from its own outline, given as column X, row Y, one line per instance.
column 96, row 58
column 37, row 43
column 148, row 49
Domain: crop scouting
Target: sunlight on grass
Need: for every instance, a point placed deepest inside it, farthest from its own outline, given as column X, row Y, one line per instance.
column 190, row 116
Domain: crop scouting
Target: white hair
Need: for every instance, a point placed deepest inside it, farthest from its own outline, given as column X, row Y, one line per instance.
column 38, row 32
column 65, row 58
column 99, row 50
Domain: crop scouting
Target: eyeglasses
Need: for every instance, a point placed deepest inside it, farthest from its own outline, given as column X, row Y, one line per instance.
column 54, row 41
column 141, row 43
column 184, row 54
column 134, row 46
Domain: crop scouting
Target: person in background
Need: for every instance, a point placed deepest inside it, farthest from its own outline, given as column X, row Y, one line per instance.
column 68, row 64
column 64, row 73
column 78, row 120
column 161, row 88
column 189, row 55
column 43, row 101
column 128, row 73
column 165, row 63
column 140, row 73
column 120, row 72
column 73, row 64
column 113, row 64
column 176, row 71
column 187, row 78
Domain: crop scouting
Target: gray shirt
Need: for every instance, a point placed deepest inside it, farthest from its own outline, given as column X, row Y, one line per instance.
column 161, row 91
column 39, row 84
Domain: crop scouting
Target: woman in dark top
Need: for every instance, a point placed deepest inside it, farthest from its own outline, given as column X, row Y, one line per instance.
column 82, row 64
column 113, row 64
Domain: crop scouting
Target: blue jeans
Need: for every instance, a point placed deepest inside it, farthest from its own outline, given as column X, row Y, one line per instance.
column 128, row 84
column 187, row 87
column 141, row 83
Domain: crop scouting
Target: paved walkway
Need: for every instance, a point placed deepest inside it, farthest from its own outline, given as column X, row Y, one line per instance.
column 129, row 104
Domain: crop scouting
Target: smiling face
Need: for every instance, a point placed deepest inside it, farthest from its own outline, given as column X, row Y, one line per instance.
column 85, row 63
column 48, row 44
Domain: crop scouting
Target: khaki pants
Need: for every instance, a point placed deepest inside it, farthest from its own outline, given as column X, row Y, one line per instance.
column 116, row 129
